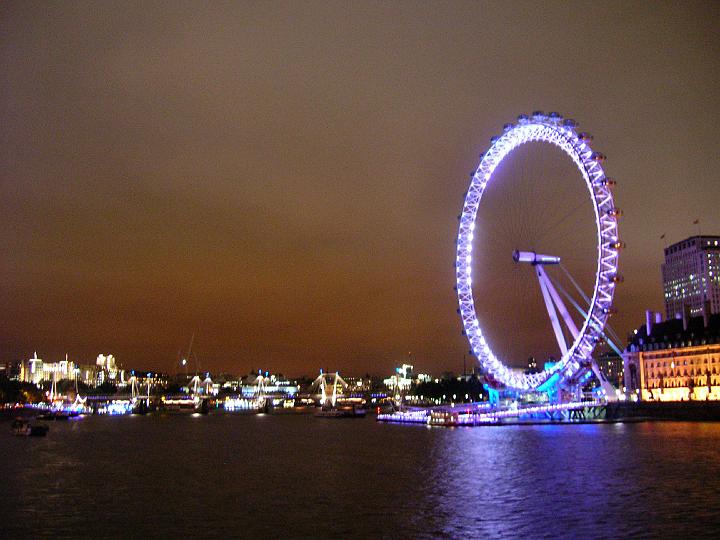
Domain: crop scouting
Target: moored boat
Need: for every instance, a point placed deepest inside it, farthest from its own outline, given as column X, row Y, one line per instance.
column 341, row 412
column 24, row 428
column 443, row 418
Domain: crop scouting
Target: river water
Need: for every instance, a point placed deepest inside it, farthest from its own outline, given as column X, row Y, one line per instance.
column 296, row 476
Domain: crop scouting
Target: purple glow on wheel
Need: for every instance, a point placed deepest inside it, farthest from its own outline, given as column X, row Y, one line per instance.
column 550, row 129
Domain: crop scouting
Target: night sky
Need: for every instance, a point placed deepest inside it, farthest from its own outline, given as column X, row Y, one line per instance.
column 284, row 179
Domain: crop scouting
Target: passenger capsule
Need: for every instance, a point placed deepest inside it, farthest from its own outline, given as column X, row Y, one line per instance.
column 585, row 137
column 538, row 116
column 523, row 119
column 570, row 123
column 598, row 156
column 616, row 278
column 616, row 245
column 606, row 182
column 507, row 127
column 494, row 139
column 615, row 212
column 555, row 117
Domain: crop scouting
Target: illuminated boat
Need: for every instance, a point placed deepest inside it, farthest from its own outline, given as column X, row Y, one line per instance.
column 180, row 404
column 443, row 418
column 186, row 404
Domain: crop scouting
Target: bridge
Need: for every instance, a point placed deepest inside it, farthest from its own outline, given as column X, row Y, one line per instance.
column 323, row 383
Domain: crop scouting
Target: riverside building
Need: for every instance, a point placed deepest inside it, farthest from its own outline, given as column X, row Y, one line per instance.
column 691, row 276
column 674, row 360
column 36, row 371
column 611, row 364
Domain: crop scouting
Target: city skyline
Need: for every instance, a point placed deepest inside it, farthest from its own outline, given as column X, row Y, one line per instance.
column 284, row 184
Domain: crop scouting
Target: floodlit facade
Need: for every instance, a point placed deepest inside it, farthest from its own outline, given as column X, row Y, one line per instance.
column 31, row 370
column 268, row 383
column 691, row 276
column 108, row 371
column 154, row 378
column 36, row 371
column 674, row 360
column 402, row 379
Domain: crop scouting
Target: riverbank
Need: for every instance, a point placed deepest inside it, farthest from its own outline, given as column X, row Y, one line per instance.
column 686, row 411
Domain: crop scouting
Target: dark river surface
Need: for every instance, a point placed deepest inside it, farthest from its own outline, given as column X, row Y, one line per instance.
column 296, row 476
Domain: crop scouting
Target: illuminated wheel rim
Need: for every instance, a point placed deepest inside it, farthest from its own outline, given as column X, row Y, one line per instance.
column 554, row 130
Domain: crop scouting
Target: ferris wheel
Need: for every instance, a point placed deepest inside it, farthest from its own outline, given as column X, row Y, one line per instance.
column 576, row 338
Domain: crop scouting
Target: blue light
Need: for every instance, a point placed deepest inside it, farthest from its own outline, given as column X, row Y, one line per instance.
column 550, row 383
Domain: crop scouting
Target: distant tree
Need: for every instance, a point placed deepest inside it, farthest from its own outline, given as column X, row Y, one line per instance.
column 29, row 393
column 472, row 387
column 173, row 388
column 9, row 390
column 104, row 389
column 66, row 386
column 18, row 392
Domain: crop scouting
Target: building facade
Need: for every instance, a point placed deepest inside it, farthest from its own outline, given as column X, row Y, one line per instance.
column 611, row 364
column 108, row 371
column 674, row 360
column 691, row 276
column 36, row 371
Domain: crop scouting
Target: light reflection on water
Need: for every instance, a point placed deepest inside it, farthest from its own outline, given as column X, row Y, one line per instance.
column 299, row 476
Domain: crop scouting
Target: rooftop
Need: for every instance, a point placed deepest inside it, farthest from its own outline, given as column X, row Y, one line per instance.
column 670, row 334
column 711, row 242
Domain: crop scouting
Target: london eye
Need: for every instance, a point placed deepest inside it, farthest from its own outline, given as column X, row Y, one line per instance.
column 575, row 318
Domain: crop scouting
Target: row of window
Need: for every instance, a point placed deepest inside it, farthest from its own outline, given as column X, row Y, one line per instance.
column 679, row 383
column 694, row 361
column 690, row 244
column 683, row 373
column 673, row 345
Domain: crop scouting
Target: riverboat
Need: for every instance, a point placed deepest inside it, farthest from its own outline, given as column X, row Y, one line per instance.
column 341, row 412
column 443, row 418
column 24, row 428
